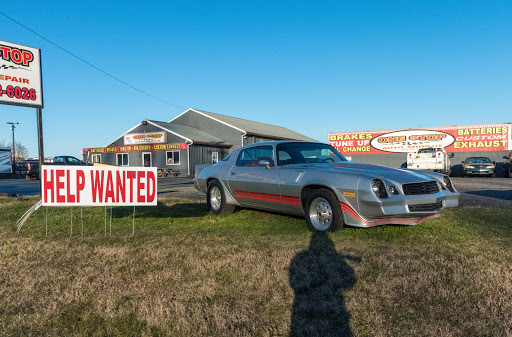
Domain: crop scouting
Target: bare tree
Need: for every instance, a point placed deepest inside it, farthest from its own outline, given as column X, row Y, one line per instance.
column 21, row 152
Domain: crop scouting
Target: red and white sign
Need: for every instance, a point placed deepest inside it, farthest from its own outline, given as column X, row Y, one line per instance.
column 465, row 138
column 144, row 138
column 20, row 75
column 98, row 186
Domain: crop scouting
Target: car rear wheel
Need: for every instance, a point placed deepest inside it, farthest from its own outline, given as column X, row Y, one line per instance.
column 216, row 199
column 323, row 211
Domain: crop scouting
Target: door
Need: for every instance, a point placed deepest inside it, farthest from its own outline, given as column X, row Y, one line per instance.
column 146, row 159
column 251, row 182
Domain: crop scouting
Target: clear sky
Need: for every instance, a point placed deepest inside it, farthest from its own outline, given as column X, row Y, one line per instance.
column 311, row 66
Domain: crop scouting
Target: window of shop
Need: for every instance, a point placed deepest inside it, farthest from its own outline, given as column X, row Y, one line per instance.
column 96, row 158
column 173, row 158
column 215, row 157
column 122, row 159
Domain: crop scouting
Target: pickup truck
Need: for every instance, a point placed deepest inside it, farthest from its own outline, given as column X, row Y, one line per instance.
column 507, row 167
column 430, row 158
column 30, row 168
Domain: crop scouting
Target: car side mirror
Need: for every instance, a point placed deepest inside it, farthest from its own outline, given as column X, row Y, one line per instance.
column 452, row 155
column 494, row 163
column 265, row 163
column 462, row 162
column 505, row 157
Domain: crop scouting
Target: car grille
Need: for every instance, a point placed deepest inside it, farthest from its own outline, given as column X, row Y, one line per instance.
column 430, row 187
column 426, row 207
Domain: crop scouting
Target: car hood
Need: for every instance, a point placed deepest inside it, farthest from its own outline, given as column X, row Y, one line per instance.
column 371, row 170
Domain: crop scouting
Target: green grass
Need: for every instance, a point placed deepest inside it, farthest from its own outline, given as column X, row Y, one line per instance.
column 187, row 272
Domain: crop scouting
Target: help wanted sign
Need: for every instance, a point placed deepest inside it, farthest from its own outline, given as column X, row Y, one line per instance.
column 98, row 186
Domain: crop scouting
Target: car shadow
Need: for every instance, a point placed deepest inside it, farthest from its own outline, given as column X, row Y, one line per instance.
column 161, row 210
column 503, row 195
column 318, row 277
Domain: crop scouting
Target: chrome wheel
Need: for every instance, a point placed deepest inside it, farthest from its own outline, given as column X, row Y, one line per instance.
column 215, row 198
column 320, row 214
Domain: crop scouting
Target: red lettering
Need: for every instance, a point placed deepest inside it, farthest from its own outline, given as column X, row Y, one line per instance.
column 80, row 183
column 109, row 193
column 48, row 185
column 60, row 185
column 120, row 184
column 131, row 176
column 16, row 55
column 140, row 186
column 97, row 185
column 151, row 181
column 71, row 197
column 27, row 57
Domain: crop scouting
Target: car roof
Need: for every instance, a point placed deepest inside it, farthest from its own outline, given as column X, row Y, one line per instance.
column 276, row 142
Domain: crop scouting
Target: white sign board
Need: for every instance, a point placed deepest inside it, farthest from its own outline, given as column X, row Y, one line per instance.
column 20, row 75
column 410, row 141
column 144, row 138
column 98, row 186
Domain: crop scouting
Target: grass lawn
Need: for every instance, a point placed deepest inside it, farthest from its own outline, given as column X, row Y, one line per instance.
column 188, row 273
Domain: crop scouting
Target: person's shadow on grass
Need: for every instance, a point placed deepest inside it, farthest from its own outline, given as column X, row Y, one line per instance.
column 318, row 277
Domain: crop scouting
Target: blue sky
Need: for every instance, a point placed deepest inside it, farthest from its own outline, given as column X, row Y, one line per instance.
column 311, row 66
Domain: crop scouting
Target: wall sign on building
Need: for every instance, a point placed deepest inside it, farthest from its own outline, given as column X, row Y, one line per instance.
column 144, row 138
column 466, row 138
column 20, row 75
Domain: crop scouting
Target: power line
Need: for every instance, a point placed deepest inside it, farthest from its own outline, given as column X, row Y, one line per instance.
column 89, row 64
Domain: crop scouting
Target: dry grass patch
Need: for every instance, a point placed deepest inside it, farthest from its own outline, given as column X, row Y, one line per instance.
column 186, row 272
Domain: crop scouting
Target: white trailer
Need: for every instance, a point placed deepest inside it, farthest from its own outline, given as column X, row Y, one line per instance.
column 430, row 158
column 5, row 160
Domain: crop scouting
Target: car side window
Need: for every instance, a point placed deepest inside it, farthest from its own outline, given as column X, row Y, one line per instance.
column 253, row 155
column 58, row 160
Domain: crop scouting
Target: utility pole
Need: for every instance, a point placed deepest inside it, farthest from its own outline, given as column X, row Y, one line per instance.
column 13, row 126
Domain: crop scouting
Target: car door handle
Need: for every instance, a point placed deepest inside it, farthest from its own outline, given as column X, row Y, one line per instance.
column 232, row 173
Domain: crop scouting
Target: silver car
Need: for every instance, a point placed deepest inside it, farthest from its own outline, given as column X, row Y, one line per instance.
column 316, row 181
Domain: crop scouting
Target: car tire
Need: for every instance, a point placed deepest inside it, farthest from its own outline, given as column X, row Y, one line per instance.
column 216, row 199
column 323, row 211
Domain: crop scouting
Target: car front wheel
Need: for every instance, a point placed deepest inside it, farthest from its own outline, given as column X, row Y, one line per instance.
column 216, row 199
column 323, row 211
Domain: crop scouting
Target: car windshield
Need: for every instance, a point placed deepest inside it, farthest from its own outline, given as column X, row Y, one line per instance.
column 297, row 153
column 478, row 160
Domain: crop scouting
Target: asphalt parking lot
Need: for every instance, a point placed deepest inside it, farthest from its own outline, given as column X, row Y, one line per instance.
column 475, row 191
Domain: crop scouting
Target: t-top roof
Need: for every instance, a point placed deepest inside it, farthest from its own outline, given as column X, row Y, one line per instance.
column 255, row 128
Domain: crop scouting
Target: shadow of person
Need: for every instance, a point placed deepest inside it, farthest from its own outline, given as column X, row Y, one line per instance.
column 318, row 277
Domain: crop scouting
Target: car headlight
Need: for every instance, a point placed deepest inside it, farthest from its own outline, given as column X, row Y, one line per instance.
column 379, row 188
column 448, row 183
column 470, row 166
column 492, row 166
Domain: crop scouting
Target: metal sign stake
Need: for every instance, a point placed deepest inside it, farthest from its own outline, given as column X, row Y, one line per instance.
column 82, row 220
column 71, row 231
column 133, row 224
column 46, row 220
column 110, row 231
column 105, row 220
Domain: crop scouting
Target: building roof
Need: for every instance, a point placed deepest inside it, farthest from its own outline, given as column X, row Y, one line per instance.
column 193, row 134
column 253, row 128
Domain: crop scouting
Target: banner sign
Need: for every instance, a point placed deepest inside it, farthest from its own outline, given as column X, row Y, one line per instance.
column 144, row 138
column 98, row 186
column 20, row 75
column 487, row 137
column 136, row 148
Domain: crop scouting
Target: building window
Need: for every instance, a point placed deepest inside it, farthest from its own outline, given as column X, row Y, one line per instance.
column 96, row 158
column 215, row 157
column 122, row 159
column 173, row 158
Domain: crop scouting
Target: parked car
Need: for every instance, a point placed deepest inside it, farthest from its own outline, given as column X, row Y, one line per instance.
column 431, row 158
column 507, row 167
column 314, row 180
column 478, row 166
column 32, row 170
column 28, row 168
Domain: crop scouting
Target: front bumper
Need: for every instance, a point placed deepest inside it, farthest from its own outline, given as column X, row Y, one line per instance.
column 398, row 209
column 484, row 171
